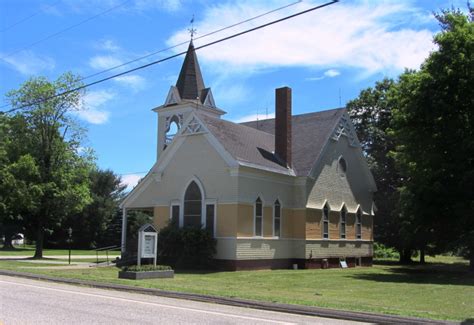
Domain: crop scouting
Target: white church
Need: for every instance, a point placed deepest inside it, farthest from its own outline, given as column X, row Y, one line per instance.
column 295, row 189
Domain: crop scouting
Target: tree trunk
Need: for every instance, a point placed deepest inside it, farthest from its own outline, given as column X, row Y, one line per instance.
column 405, row 256
column 7, row 244
column 422, row 256
column 39, row 243
column 471, row 263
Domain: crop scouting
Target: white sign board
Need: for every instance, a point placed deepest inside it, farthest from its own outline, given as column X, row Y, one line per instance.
column 147, row 243
column 344, row 264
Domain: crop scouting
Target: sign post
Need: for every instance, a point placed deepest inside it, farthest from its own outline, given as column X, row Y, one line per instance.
column 147, row 243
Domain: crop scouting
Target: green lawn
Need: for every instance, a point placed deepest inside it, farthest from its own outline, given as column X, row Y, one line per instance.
column 438, row 291
column 30, row 251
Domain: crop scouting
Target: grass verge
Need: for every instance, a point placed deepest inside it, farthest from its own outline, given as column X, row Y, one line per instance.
column 437, row 290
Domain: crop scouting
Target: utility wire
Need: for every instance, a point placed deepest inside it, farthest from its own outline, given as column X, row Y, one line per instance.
column 65, row 30
column 27, row 18
column 176, row 55
column 196, row 38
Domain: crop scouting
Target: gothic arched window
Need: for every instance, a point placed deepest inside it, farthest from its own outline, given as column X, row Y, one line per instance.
column 192, row 206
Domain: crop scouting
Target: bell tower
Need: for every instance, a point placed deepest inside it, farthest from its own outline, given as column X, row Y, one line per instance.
column 187, row 95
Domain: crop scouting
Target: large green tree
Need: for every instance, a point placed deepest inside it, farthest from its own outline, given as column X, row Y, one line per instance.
column 51, row 142
column 433, row 126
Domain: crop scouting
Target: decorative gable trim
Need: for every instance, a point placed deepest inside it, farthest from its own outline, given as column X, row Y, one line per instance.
column 173, row 96
column 193, row 126
column 345, row 128
column 209, row 100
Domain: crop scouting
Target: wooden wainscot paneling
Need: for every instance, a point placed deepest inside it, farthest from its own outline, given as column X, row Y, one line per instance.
column 334, row 224
column 226, row 225
column 161, row 216
column 268, row 222
column 350, row 226
column 245, row 220
column 313, row 223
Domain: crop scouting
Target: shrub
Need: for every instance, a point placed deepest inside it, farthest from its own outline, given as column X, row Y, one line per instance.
column 189, row 248
column 381, row 251
column 146, row 268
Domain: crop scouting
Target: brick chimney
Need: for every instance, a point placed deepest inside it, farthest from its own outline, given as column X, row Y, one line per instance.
column 283, row 125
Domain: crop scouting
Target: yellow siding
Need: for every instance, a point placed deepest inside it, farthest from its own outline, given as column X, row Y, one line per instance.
column 334, row 224
column 161, row 216
column 299, row 224
column 226, row 225
column 350, row 226
column 245, row 220
column 286, row 223
column 313, row 224
column 366, row 227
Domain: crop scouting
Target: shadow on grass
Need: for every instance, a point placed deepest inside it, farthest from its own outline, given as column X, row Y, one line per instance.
column 451, row 274
column 17, row 249
column 468, row 321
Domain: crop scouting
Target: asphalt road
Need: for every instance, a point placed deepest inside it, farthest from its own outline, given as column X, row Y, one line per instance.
column 24, row 301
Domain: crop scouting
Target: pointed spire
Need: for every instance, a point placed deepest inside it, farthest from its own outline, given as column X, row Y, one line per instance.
column 190, row 82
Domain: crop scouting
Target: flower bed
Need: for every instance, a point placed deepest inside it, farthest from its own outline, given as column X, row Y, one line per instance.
column 138, row 272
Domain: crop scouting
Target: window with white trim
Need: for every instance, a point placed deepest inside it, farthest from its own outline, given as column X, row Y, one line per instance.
column 192, row 206
column 276, row 218
column 210, row 217
column 359, row 224
column 258, row 217
column 342, row 223
column 326, row 221
column 175, row 215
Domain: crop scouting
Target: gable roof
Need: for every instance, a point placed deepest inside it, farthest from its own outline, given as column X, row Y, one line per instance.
column 190, row 83
column 253, row 143
column 310, row 132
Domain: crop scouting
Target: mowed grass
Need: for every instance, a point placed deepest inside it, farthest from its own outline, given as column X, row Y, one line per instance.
column 30, row 251
column 437, row 290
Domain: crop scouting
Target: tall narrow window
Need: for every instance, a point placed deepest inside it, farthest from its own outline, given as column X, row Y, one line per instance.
column 326, row 221
column 175, row 215
column 210, row 213
column 258, row 217
column 192, row 206
column 342, row 223
column 276, row 218
column 359, row 224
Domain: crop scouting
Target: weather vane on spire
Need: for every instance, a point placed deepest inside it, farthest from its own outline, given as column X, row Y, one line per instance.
column 192, row 30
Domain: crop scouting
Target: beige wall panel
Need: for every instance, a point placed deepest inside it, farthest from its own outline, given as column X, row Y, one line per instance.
column 366, row 227
column 334, row 225
column 245, row 226
column 351, row 189
column 313, row 223
column 286, row 223
column 195, row 157
column 268, row 221
column 226, row 225
column 338, row 248
column 161, row 216
column 226, row 249
column 299, row 223
column 350, row 226
column 248, row 249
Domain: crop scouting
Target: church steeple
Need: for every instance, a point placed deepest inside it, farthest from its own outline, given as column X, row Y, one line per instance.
column 190, row 83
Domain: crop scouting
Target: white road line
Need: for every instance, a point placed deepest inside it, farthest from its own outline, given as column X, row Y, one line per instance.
column 151, row 303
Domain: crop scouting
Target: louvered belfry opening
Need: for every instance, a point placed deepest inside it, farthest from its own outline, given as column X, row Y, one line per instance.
column 283, row 125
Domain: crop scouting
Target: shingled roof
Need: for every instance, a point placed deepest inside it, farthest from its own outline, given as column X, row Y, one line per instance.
column 253, row 143
column 190, row 83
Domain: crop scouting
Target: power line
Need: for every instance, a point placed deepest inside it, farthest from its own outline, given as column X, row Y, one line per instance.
column 65, row 29
column 196, row 38
column 176, row 55
column 182, row 43
column 27, row 18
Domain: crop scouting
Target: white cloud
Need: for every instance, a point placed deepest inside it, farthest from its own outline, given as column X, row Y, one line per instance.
column 101, row 62
column 131, row 180
column 253, row 117
column 331, row 73
column 108, row 45
column 358, row 34
column 29, row 63
column 169, row 5
column 91, row 110
column 133, row 81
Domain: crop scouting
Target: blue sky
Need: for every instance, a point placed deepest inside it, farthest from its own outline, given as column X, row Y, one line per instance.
column 326, row 57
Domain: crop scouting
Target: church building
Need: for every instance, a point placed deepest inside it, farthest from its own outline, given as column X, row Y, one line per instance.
column 295, row 189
